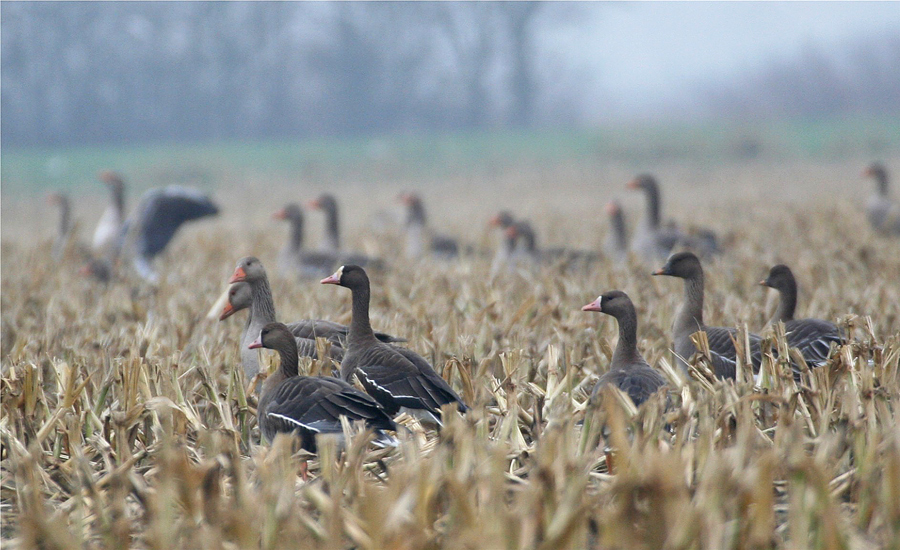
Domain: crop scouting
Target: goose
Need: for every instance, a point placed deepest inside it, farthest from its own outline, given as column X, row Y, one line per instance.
column 310, row 405
column 883, row 213
column 399, row 379
column 628, row 370
column 418, row 233
column 813, row 337
column 689, row 319
column 293, row 259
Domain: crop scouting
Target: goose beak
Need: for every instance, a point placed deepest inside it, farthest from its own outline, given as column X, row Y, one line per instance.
column 333, row 279
column 280, row 214
column 238, row 276
column 660, row 271
column 256, row 343
column 633, row 184
column 227, row 312
column 593, row 306
column 764, row 283
column 314, row 204
column 512, row 232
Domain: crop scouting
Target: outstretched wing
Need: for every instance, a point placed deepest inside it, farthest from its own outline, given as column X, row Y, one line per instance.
column 162, row 211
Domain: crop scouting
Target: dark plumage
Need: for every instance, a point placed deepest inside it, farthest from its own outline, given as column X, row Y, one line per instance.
column 813, row 337
column 689, row 319
column 628, row 370
column 151, row 226
column 308, row 405
column 396, row 377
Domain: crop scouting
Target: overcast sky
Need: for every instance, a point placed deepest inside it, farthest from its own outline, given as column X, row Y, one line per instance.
column 648, row 54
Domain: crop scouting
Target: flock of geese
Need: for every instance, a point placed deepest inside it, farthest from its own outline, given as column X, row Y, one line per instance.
column 395, row 378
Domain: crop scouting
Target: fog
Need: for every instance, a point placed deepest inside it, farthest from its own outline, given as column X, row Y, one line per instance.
column 86, row 73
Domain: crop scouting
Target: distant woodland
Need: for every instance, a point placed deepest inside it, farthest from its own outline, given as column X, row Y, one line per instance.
column 109, row 72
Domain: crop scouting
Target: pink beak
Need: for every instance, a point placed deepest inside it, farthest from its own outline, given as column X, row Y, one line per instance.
column 593, row 306
column 256, row 343
column 333, row 279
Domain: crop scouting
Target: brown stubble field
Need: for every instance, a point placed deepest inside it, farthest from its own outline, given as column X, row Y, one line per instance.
column 125, row 422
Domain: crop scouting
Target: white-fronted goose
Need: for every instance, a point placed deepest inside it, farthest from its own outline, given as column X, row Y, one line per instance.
column 628, row 370
column 883, row 213
column 813, row 337
column 262, row 312
column 309, row 405
column 240, row 296
column 293, row 259
column 616, row 243
column 689, row 319
column 418, row 233
column 397, row 378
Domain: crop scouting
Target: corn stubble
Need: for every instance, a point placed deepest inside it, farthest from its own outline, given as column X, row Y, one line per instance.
column 127, row 424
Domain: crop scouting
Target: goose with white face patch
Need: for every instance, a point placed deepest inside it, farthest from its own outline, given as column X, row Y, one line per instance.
column 398, row 378
column 689, row 319
column 310, row 405
column 628, row 370
column 813, row 337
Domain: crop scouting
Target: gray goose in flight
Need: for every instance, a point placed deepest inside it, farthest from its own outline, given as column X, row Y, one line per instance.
column 150, row 227
column 883, row 213
column 628, row 370
column 398, row 378
column 310, row 405
column 689, row 319
column 813, row 337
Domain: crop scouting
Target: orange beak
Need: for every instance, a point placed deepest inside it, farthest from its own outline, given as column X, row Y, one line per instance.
column 227, row 312
column 256, row 343
column 238, row 275
column 512, row 232
column 634, row 184
column 763, row 283
column 593, row 306
column 612, row 208
column 659, row 271
column 280, row 214
column 495, row 221
column 314, row 204
column 333, row 279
